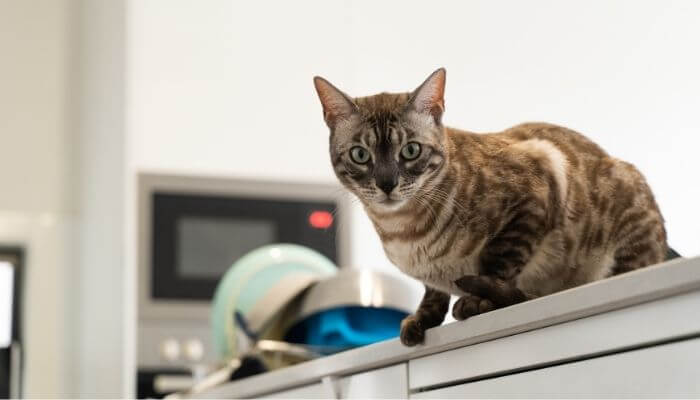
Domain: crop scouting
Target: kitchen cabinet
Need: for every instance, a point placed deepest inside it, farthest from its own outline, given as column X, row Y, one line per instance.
column 633, row 327
column 668, row 370
column 382, row 383
column 314, row 391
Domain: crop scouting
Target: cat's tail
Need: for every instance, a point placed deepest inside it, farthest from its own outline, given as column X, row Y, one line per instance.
column 671, row 254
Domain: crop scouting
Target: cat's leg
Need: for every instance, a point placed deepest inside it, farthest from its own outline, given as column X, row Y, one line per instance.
column 431, row 312
column 641, row 250
column 641, row 239
column 633, row 223
column 501, row 260
column 492, row 292
column 470, row 305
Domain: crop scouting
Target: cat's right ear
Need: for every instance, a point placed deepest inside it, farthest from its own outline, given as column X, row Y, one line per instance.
column 337, row 106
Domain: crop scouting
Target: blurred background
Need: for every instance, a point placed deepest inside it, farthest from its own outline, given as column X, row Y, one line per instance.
column 94, row 94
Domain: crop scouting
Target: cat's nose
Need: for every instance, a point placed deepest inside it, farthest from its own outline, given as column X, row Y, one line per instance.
column 388, row 184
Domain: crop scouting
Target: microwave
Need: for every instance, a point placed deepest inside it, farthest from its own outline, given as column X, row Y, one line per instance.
column 191, row 229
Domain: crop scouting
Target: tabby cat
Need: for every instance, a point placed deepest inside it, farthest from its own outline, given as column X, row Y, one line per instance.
column 495, row 218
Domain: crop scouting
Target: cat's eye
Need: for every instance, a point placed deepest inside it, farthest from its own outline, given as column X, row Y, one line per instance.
column 359, row 155
column 411, row 151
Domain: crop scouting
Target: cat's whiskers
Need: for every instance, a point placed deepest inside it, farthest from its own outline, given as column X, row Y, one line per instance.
column 438, row 195
column 352, row 199
column 431, row 210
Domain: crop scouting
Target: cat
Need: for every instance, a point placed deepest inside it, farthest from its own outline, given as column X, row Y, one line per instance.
column 496, row 218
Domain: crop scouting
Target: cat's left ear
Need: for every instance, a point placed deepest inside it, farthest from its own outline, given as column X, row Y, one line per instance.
column 429, row 97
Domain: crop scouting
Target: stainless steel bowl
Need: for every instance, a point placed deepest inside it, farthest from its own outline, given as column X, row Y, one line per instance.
column 359, row 287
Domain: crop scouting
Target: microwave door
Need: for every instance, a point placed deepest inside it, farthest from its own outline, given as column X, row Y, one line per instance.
column 197, row 238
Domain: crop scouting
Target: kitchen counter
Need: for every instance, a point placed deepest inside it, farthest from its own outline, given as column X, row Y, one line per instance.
column 644, row 308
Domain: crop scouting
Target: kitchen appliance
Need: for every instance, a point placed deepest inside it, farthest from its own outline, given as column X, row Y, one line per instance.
column 11, row 264
column 191, row 229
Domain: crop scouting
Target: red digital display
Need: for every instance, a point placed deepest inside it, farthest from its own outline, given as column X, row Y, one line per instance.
column 321, row 219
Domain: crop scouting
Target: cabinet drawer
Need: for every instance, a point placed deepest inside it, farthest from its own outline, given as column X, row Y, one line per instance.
column 384, row 383
column 669, row 370
column 314, row 391
column 599, row 334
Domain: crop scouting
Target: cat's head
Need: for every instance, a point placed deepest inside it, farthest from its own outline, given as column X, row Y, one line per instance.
column 386, row 148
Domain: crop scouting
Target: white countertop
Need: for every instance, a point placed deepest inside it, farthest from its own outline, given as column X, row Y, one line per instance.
column 648, row 284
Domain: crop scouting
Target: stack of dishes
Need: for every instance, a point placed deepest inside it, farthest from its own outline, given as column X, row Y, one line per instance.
column 260, row 286
column 288, row 294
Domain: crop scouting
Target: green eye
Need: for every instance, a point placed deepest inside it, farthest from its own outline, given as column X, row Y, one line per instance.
column 410, row 151
column 359, row 155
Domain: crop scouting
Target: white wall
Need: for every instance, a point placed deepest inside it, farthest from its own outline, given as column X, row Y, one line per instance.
column 104, row 338
column 225, row 87
column 63, row 195
column 36, row 182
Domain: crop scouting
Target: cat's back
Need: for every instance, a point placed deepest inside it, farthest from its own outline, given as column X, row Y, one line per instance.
column 606, row 200
column 578, row 150
column 573, row 144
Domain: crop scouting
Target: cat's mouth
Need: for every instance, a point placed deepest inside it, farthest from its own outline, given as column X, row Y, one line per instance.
column 390, row 203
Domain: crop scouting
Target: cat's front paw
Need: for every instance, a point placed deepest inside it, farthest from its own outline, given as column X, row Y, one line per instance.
column 470, row 305
column 412, row 332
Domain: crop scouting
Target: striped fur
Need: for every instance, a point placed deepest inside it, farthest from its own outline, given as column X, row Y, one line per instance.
column 496, row 218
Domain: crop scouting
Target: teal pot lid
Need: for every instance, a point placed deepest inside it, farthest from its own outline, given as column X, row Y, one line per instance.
column 259, row 285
